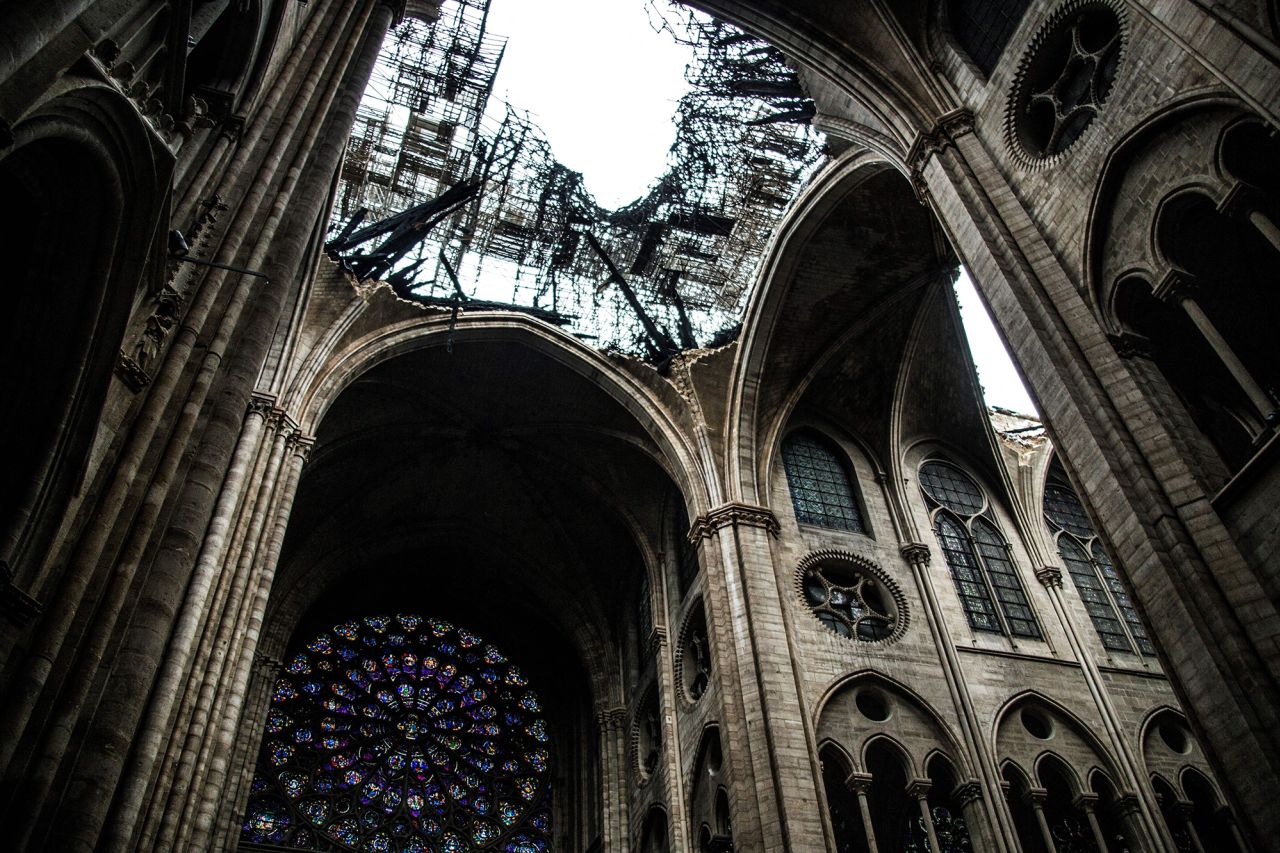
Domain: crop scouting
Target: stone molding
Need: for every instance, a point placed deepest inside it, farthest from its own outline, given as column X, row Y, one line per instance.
column 734, row 514
column 612, row 719
column 1085, row 801
column 1036, row 796
column 1049, row 576
column 1127, row 804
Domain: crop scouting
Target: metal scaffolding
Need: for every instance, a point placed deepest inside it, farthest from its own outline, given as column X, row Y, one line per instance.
column 458, row 211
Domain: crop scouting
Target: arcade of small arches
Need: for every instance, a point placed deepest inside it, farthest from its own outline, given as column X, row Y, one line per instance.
column 292, row 563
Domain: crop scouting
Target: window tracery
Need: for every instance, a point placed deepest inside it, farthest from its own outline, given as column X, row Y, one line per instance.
column 402, row 735
column 849, row 601
column 976, row 553
column 1095, row 577
column 821, row 489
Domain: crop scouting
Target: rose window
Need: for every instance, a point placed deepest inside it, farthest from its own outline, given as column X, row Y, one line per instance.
column 1066, row 78
column 402, row 735
column 850, row 601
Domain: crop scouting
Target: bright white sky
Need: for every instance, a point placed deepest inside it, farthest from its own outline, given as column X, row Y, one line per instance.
column 603, row 86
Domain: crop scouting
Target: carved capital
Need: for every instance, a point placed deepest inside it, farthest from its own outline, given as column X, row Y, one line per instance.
column 967, row 792
column 859, row 783
column 262, row 404
column 734, row 515
column 611, row 719
column 1086, row 801
column 915, row 553
column 1049, row 576
column 233, row 128
column 106, row 51
column 943, row 135
column 1130, row 345
column 919, row 788
column 131, row 373
column 1176, row 286
column 302, row 445
column 1127, row 804
column 1035, row 797
column 267, row 664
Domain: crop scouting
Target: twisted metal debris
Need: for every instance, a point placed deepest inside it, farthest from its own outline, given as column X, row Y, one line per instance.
column 458, row 211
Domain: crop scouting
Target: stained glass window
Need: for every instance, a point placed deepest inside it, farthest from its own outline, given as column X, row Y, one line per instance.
column 402, row 735
column 984, row 27
column 976, row 553
column 821, row 490
column 1094, row 575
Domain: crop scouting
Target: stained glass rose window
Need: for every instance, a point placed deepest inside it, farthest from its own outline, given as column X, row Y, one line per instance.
column 402, row 735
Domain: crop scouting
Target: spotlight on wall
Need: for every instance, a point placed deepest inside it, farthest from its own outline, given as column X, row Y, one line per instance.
column 179, row 249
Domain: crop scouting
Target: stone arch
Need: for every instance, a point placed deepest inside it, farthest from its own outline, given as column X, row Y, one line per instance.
column 708, row 801
column 313, row 396
column 88, row 176
column 765, row 390
column 1069, row 738
column 906, row 711
column 655, row 832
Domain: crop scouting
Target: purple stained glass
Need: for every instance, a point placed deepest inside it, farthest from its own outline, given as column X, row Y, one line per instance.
column 410, row 743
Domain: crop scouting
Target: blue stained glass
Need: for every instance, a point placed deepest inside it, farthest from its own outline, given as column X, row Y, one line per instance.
column 412, row 726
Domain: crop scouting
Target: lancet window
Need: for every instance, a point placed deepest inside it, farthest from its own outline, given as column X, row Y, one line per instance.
column 976, row 553
column 1093, row 573
column 821, row 488
column 402, row 735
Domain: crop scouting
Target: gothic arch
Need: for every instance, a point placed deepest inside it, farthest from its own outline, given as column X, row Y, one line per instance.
column 88, row 176
column 766, row 392
column 1081, row 757
column 313, row 397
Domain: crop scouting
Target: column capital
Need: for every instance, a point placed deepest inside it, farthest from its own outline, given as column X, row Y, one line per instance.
column 611, row 718
column 967, row 792
column 734, row 514
column 942, row 135
column 267, row 664
column 919, row 788
column 859, row 783
column 1049, row 576
column 1086, row 801
column 1176, row 286
column 1127, row 804
column 301, row 445
column 1131, row 345
column 1036, row 796
column 262, row 403
column 915, row 553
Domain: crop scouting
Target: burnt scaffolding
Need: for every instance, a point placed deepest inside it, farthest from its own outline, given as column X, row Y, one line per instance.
column 457, row 204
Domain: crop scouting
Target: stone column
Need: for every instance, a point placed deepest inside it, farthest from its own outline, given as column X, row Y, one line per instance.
column 1035, row 798
column 1186, row 808
column 1243, row 202
column 996, row 822
column 968, row 796
column 611, row 724
column 1129, row 807
column 781, row 743
column 1177, row 287
column 918, row 790
column 1129, row 767
column 860, row 783
column 1228, row 820
column 1086, row 804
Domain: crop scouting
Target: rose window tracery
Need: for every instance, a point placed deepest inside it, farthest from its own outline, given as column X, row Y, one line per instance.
column 850, row 599
column 402, row 735
column 1065, row 78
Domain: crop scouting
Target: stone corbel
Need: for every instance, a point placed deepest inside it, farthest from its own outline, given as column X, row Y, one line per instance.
column 915, row 553
column 1049, row 576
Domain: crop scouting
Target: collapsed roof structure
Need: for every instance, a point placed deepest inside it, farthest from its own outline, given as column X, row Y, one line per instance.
column 456, row 208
